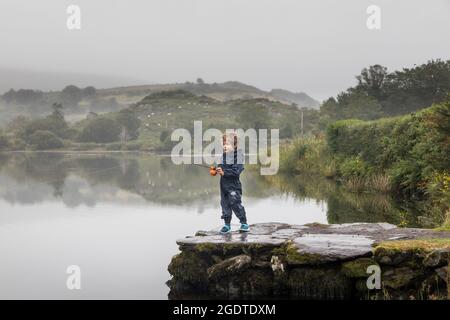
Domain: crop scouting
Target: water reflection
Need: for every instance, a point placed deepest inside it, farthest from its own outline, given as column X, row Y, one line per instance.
column 348, row 207
column 28, row 178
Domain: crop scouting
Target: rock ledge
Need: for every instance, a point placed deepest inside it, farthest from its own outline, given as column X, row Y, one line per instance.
column 312, row 261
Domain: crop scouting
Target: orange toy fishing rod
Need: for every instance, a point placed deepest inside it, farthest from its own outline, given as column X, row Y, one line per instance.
column 212, row 169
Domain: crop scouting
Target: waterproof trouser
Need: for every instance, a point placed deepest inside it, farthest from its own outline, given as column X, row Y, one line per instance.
column 231, row 201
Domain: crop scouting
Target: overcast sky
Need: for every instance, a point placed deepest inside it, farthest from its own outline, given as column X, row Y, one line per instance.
column 316, row 46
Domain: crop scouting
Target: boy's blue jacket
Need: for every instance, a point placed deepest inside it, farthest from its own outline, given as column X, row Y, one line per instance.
column 232, row 165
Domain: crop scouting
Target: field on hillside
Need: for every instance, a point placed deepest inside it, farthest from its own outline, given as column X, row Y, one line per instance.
column 163, row 112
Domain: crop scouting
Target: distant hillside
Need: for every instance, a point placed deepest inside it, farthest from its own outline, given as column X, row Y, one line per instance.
column 226, row 91
column 55, row 81
column 300, row 98
column 164, row 111
column 34, row 93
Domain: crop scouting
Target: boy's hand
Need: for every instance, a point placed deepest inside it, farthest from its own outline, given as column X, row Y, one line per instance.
column 220, row 171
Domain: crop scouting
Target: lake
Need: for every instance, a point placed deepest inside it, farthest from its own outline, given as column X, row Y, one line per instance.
column 117, row 217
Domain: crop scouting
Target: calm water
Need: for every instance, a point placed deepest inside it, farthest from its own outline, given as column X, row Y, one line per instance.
column 118, row 216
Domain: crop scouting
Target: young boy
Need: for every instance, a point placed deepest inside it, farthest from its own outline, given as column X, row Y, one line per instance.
column 230, row 187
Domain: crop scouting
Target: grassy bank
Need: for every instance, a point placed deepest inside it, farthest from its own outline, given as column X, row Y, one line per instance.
column 405, row 156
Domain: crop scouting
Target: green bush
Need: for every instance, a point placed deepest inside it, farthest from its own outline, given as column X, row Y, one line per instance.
column 45, row 140
column 164, row 136
column 407, row 153
column 100, row 130
column 335, row 133
column 353, row 167
column 307, row 156
column 53, row 123
column 128, row 120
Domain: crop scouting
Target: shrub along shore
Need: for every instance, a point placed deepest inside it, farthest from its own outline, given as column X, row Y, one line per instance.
column 407, row 156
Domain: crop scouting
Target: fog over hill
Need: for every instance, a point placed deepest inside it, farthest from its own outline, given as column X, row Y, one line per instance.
column 132, row 90
column 55, row 81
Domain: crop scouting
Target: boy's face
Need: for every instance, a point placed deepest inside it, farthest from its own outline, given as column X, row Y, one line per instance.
column 227, row 146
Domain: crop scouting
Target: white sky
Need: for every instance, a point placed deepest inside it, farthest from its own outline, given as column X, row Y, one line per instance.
column 316, row 46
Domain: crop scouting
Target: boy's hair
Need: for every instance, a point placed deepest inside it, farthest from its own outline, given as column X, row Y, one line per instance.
column 230, row 137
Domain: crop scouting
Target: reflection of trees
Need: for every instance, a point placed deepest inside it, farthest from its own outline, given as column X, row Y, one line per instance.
column 344, row 206
column 45, row 168
column 79, row 179
column 118, row 171
column 154, row 178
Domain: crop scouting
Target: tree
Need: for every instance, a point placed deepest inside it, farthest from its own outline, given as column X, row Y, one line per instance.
column 9, row 96
column 372, row 80
column 200, row 81
column 24, row 97
column 362, row 106
column 254, row 116
column 100, row 130
column 379, row 93
column 57, row 110
column 54, row 123
column 45, row 140
column 129, row 123
column 17, row 126
column 3, row 141
column 71, row 95
column 165, row 142
column 89, row 92
column 330, row 108
column 412, row 89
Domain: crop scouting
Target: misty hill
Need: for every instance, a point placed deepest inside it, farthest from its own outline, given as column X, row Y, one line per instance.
column 149, row 123
column 56, row 81
column 32, row 93
column 226, row 91
column 299, row 98
column 128, row 91
column 167, row 110
column 159, row 113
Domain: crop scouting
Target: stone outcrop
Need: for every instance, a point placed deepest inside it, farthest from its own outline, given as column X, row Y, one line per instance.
column 313, row 261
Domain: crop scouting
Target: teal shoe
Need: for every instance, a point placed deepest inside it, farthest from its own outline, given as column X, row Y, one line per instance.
column 244, row 228
column 225, row 229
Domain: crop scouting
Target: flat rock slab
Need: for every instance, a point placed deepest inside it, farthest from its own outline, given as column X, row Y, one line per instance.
column 328, row 242
column 232, row 238
column 334, row 247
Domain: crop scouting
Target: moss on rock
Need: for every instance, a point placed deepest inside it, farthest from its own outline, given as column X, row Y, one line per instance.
column 411, row 252
column 397, row 278
column 189, row 267
column 357, row 268
column 207, row 247
column 293, row 257
column 418, row 244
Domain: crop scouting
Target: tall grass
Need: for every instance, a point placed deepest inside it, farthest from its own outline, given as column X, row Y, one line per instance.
column 307, row 156
column 378, row 182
